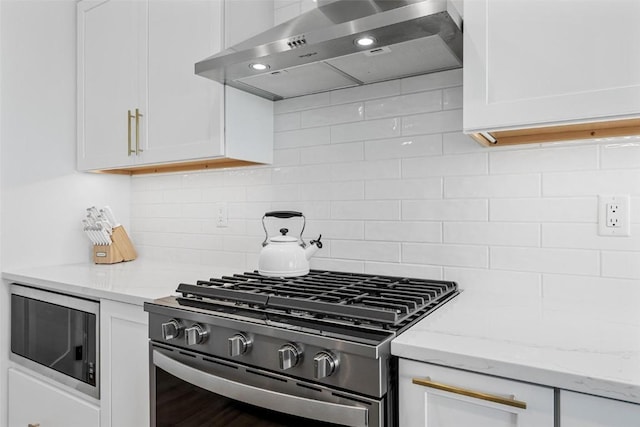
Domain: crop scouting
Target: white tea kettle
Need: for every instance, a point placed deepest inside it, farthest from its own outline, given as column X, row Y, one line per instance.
column 282, row 255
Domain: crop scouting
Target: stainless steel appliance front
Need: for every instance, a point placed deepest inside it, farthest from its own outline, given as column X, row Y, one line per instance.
column 57, row 336
column 190, row 389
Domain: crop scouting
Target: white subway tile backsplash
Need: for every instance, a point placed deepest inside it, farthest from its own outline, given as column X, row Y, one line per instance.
column 499, row 281
column 445, row 255
column 384, row 173
column 452, row 98
column 586, row 236
column 403, row 189
column 458, row 142
column 366, row 210
column 544, row 159
column 492, row 233
column 334, row 153
column 286, row 157
column 432, row 81
column 624, row 181
column 440, row 122
column 294, row 174
column 288, row 121
column 378, row 169
column 366, row 130
column 405, row 231
column 623, row 265
column 460, row 164
column 429, row 272
column 445, row 210
column 332, row 229
column 302, row 138
column 624, row 153
column 334, row 114
column 350, row 190
column 490, row 186
column 414, row 103
column 275, row 193
column 224, row 194
column 544, row 210
column 403, row 147
column 332, row 264
column 567, row 261
column 365, row 250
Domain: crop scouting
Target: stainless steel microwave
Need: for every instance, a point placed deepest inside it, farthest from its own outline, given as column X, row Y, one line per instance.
column 56, row 335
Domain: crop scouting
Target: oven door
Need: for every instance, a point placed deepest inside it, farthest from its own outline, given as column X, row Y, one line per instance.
column 189, row 389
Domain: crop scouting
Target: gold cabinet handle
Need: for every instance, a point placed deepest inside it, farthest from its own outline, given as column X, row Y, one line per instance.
column 33, row 425
column 138, row 115
column 130, row 116
column 426, row 382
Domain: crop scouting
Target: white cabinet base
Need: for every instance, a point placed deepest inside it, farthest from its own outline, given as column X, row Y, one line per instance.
column 583, row 410
column 34, row 402
column 424, row 406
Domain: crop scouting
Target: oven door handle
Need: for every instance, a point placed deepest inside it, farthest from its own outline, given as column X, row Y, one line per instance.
column 335, row 413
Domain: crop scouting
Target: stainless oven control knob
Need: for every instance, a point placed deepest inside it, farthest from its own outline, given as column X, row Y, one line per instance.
column 289, row 355
column 196, row 335
column 171, row 330
column 238, row 344
column 325, row 364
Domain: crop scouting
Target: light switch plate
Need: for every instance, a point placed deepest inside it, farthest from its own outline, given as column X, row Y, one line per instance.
column 614, row 215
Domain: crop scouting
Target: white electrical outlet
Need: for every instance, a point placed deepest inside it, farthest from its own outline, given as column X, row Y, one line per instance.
column 222, row 214
column 614, row 215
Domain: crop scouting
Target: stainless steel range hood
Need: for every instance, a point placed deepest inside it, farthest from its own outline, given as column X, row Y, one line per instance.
column 318, row 52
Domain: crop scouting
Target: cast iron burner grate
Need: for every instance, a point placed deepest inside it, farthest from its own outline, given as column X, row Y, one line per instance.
column 384, row 300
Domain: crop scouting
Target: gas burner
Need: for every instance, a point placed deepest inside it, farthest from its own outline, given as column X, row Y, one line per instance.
column 326, row 296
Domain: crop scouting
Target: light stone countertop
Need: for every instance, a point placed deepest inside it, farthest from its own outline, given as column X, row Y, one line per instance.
column 589, row 345
column 133, row 282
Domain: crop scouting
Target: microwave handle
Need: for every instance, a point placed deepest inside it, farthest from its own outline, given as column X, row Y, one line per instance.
column 293, row 405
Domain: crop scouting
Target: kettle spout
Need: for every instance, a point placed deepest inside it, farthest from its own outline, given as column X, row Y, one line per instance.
column 313, row 247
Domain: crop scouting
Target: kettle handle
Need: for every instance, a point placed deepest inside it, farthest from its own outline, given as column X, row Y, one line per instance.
column 284, row 215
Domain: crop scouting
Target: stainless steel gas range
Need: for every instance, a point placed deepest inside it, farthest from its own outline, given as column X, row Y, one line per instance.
column 249, row 350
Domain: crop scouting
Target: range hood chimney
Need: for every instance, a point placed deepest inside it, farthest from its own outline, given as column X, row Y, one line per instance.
column 342, row 43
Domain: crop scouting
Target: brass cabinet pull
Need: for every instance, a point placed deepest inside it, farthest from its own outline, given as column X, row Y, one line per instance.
column 130, row 116
column 33, row 425
column 138, row 115
column 426, row 382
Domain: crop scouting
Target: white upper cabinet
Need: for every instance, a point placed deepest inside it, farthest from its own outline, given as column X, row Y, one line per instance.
column 542, row 63
column 139, row 100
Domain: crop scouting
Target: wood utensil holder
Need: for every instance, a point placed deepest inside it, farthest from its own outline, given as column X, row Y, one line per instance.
column 121, row 249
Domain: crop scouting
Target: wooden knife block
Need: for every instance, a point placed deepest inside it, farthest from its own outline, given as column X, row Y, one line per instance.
column 121, row 249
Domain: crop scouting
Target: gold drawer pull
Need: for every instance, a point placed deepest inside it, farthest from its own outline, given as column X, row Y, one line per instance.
column 138, row 150
column 130, row 150
column 426, row 382
column 34, row 425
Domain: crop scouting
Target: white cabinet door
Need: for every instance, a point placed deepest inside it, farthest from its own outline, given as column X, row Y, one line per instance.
column 246, row 18
column 124, row 349
column 531, row 63
column 139, row 56
column 109, row 70
column 34, row 402
column 185, row 115
column 427, row 406
column 582, row 410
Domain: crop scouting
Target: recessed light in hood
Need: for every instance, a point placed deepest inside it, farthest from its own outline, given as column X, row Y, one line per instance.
column 318, row 51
